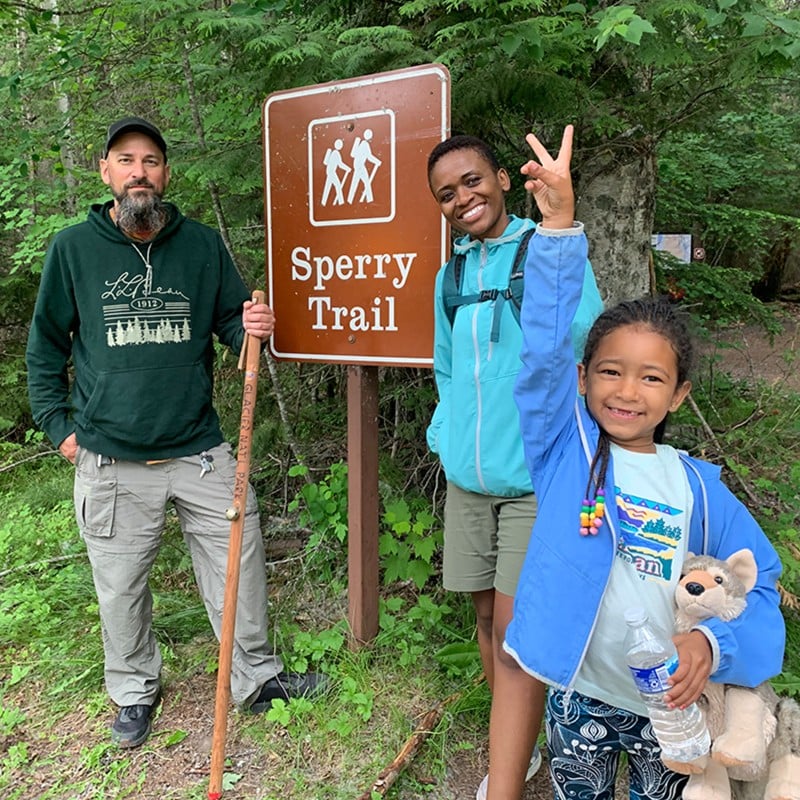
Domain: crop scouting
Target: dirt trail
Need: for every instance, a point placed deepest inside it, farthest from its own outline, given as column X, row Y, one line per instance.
column 746, row 352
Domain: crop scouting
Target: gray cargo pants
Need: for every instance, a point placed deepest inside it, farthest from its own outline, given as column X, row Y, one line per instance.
column 121, row 509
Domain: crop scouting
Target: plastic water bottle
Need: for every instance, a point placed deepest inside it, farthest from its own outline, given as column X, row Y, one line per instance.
column 652, row 658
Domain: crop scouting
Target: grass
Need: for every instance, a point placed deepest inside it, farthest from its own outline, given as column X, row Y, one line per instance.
column 54, row 712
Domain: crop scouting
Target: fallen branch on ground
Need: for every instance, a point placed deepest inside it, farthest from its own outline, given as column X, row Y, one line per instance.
column 388, row 775
column 44, row 563
column 7, row 467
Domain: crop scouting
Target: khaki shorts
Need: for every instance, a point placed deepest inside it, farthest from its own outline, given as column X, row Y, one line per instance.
column 485, row 540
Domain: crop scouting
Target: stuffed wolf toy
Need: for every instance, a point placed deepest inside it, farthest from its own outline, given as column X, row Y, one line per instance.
column 755, row 751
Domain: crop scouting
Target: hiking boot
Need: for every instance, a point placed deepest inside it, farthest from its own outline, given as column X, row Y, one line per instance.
column 533, row 768
column 286, row 685
column 132, row 725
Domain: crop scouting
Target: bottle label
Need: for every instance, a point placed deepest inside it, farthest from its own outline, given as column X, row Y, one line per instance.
column 653, row 680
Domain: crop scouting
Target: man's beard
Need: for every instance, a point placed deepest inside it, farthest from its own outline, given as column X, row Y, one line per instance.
column 140, row 212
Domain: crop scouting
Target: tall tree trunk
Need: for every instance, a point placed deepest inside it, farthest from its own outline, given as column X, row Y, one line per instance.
column 67, row 154
column 616, row 201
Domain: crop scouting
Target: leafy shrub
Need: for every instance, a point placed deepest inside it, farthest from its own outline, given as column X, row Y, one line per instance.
column 408, row 541
column 716, row 296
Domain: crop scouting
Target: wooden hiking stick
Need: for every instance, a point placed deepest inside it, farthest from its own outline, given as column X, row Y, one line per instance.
column 250, row 356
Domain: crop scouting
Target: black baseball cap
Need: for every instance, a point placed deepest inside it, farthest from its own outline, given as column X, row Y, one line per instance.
column 134, row 125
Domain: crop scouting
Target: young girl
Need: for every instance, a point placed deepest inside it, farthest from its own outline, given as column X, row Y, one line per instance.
column 578, row 578
column 490, row 507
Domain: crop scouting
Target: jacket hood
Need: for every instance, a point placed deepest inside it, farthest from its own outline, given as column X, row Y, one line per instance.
column 514, row 230
column 704, row 469
column 100, row 219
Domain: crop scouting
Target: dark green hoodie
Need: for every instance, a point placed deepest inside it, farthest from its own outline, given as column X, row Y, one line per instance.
column 139, row 336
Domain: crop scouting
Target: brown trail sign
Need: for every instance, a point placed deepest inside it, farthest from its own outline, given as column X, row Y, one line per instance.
column 354, row 238
column 353, row 243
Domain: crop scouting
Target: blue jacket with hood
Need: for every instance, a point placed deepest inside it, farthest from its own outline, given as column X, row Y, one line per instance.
column 475, row 428
column 564, row 576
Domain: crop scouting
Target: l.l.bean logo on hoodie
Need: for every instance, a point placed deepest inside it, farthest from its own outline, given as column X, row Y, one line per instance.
column 136, row 312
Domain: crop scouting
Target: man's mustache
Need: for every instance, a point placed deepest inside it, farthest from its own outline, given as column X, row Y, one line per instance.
column 141, row 182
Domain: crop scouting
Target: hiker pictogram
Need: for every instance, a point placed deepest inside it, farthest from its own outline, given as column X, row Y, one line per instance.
column 362, row 174
column 333, row 180
column 351, row 168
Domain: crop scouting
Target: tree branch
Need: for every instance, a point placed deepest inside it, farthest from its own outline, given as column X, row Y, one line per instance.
column 389, row 774
column 9, row 467
column 711, row 435
column 44, row 563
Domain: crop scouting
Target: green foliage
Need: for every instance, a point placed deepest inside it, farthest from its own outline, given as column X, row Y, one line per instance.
column 323, row 505
column 410, row 633
column 622, row 21
column 316, row 650
column 707, row 181
column 10, row 718
column 15, row 412
column 32, row 616
column 408, row 544
column 229, row 780
column 289, row 713
column 787, row 684
column 787, row 543
column 460, row 658
column 716, row 296
column 358, row 702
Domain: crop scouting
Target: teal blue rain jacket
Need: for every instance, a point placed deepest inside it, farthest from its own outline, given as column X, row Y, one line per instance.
column 475, row 427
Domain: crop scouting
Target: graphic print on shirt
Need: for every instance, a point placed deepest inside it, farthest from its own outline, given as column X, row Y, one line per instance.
column 136, row 312
column 649, row 535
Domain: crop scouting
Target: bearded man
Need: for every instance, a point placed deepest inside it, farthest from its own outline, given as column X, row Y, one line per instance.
column 133, row 297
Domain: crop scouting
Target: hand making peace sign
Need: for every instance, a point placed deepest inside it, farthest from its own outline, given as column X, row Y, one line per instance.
column 550, row 182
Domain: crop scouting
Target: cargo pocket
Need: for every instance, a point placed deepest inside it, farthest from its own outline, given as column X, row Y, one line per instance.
column 225, row 466
column 95, row 502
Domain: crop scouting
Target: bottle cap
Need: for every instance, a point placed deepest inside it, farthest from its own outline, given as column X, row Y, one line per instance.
column 635, row 615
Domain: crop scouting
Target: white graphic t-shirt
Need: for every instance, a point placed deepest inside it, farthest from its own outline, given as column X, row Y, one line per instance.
column 654, row 503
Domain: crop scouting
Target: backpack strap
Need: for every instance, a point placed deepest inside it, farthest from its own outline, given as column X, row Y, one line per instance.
column 516, row 280
column 516, row 286
column 451, row 287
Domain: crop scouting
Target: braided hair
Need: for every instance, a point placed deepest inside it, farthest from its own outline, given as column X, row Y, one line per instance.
column 660, row 316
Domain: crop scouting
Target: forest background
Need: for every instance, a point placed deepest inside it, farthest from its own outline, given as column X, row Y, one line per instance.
column 687, row 120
